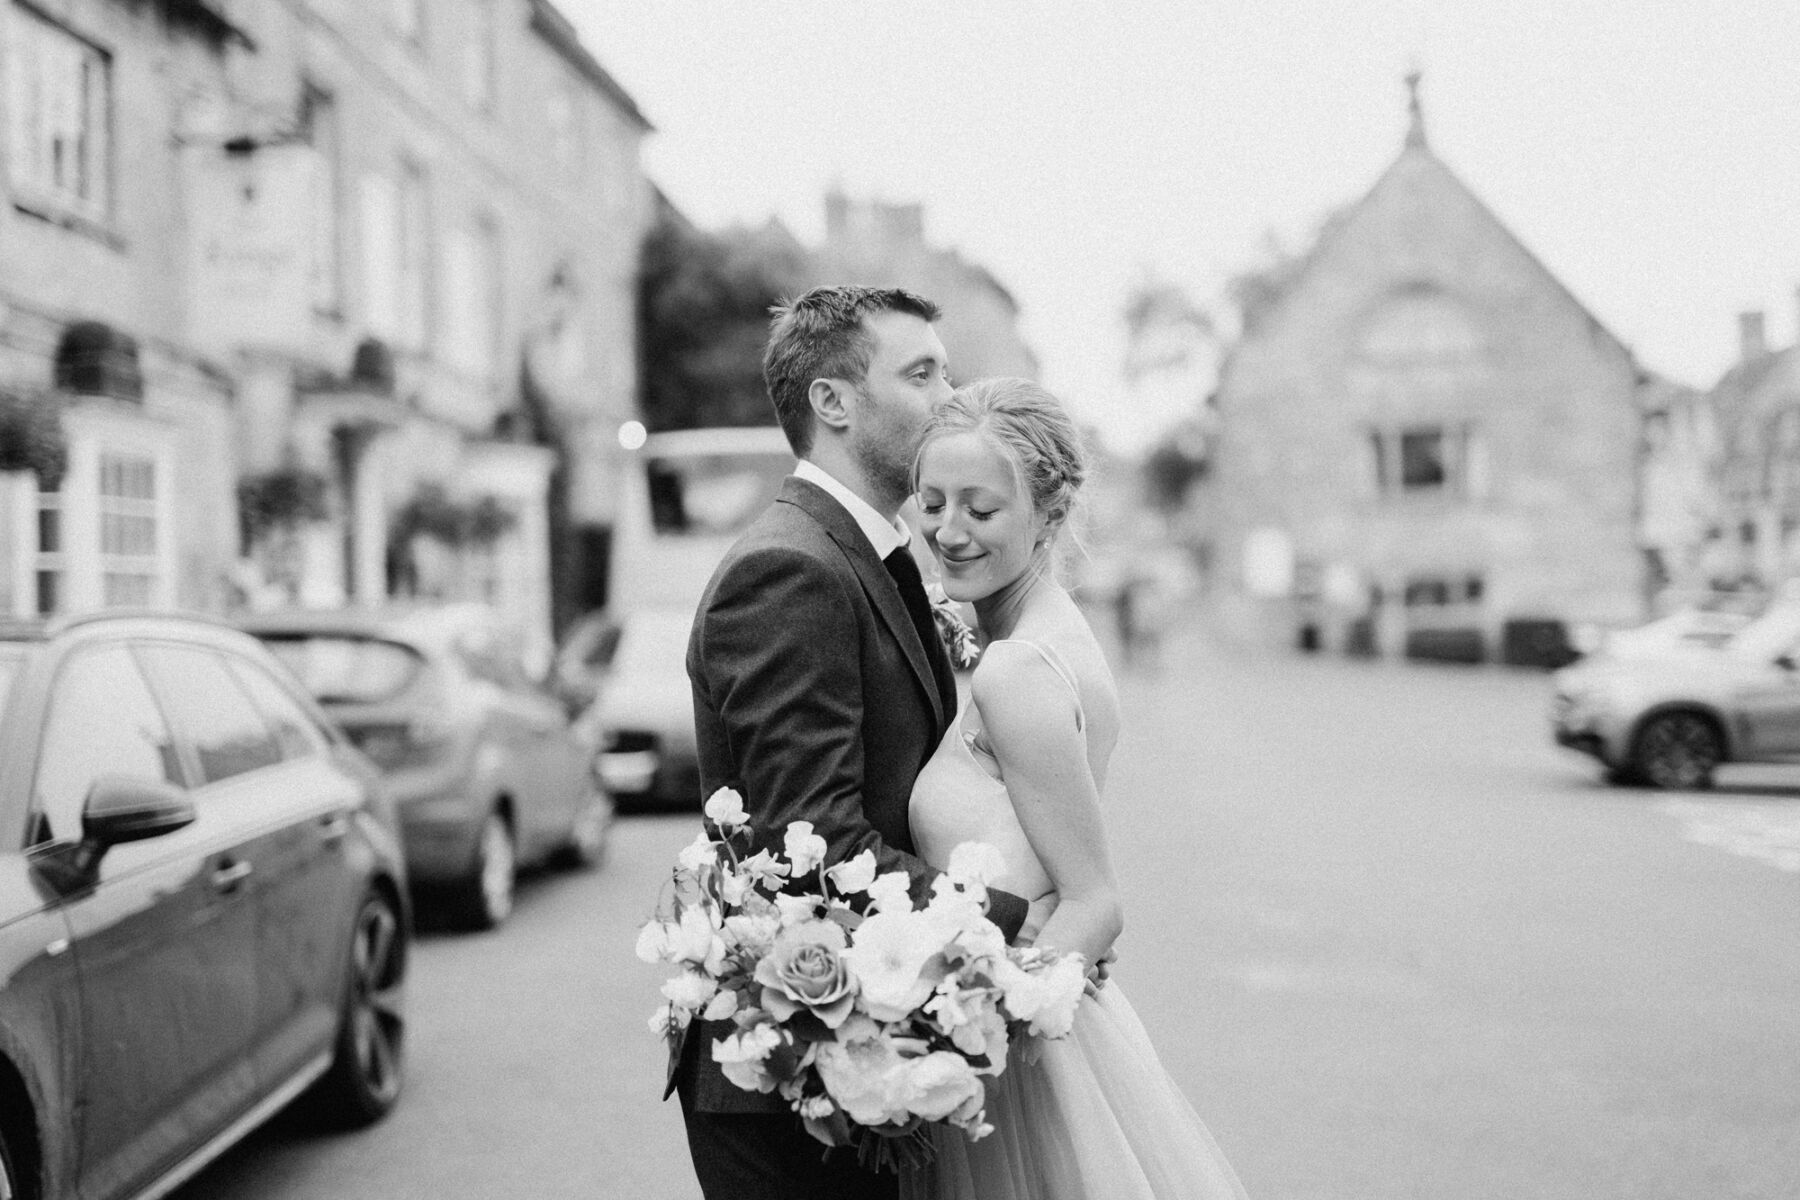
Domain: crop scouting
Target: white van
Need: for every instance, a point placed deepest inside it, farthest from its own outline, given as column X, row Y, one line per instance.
column 688, row 496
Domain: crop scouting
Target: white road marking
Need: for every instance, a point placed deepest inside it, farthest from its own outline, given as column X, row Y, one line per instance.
column 1766, row 830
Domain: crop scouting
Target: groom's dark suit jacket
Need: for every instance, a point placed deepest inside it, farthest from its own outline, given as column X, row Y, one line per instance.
column 814, row 698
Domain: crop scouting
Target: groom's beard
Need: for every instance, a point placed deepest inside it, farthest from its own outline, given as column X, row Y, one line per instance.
column 885, row 457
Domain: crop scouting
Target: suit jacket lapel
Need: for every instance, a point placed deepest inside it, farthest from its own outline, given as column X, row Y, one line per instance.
column 816, row 503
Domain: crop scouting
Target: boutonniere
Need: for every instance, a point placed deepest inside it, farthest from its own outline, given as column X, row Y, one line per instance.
column 959, row 639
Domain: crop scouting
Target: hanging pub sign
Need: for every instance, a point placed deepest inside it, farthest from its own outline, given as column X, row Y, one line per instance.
column 251, row 246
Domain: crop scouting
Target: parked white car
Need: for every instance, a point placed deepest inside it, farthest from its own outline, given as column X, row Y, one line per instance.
column 1671, row 719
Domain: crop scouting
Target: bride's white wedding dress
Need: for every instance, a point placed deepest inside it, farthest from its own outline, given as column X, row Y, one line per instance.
column 1095, row 1117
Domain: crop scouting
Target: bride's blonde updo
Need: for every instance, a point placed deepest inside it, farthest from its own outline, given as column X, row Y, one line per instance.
column 1030, row 426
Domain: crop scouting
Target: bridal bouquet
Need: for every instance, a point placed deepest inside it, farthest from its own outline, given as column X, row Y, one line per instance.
column 871, row 1017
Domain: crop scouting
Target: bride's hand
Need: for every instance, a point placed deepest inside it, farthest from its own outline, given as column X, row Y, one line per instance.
column 1035, row 916
column 1100, row 971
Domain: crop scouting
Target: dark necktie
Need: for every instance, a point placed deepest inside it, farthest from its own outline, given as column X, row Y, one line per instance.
column 906, row 575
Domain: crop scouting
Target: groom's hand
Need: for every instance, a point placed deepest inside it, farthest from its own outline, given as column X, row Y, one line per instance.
column 1098, row 974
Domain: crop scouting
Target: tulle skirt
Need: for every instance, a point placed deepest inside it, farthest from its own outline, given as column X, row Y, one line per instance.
column 1094, row 1118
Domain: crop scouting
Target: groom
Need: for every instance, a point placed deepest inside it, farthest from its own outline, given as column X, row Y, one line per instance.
column 820, row 686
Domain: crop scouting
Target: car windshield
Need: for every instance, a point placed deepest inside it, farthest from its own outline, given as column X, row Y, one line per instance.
column 1773, row 634
column 345, row 669
column 652, row 644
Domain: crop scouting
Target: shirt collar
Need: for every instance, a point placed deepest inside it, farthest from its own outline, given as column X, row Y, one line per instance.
column 885, row 536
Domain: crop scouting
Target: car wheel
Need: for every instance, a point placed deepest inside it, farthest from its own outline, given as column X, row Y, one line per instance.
column 363, row 1083
column 13, row 1184
column 485, row 896
column 1677, row 751
column 587, row 836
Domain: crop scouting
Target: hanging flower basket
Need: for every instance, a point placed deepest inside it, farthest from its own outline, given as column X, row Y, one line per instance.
column 283, row 498
column 431, row 512
column 31, row 435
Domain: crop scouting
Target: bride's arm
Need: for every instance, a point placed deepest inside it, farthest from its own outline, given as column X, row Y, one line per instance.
column 1029, row 716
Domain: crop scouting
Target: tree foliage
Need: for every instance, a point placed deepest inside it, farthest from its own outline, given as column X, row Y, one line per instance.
column 704, row 302
column 31, row 434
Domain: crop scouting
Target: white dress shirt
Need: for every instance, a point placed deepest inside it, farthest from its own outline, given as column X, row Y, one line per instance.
column 885, row 536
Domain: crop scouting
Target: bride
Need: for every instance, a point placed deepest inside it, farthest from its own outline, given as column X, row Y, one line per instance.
column 1023, row 768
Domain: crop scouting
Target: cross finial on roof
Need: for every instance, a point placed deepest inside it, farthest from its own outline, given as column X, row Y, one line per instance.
column 1415, row 113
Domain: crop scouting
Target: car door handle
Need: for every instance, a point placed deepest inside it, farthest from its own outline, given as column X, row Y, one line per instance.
column 333, row 828
column 227, row 876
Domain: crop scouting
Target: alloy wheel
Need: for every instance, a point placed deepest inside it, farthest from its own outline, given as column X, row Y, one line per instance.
column 375, row 1021
column 1678, row 751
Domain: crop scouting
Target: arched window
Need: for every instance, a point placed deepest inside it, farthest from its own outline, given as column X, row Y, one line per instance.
column 94, row 359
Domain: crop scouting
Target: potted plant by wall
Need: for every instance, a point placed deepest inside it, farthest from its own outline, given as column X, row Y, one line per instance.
column 273, row 508
column 31, row 435
column 429, row 537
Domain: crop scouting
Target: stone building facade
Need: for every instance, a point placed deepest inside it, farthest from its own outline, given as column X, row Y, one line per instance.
column 879, row 243
column 1427, row 438
column 93, row 311
column 1755, row 542
column 395, row 242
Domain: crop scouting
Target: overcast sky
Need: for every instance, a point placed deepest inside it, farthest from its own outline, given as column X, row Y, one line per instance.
column 1647, row 150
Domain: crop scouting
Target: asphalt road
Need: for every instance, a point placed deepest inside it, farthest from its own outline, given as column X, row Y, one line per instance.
column 1391, row 941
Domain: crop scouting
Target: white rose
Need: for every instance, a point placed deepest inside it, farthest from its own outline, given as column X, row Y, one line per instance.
column 854, row 875
column 725, row 808
column 938, row 1084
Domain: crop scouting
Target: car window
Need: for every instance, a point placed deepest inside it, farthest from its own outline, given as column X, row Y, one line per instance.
column 102, row 721
column 346, row 669
column 295, row 732
column 211, row 710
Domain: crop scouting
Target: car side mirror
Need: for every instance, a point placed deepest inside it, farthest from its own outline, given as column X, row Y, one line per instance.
column 130, row 808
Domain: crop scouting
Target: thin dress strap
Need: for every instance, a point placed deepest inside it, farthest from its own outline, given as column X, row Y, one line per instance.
column 1056, row 664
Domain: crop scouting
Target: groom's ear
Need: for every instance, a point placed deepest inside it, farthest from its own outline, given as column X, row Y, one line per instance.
column 830, row 402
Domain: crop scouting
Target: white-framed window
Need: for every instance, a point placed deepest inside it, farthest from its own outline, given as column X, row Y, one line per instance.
column 1428, row 459
column 472, row 273
column 129, row 564
column 319, row 115
column 50, row 571
column 58, row 115
column 395, row 238
column 480, row 52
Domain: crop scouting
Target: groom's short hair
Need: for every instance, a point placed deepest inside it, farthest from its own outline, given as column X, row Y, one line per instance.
column 821, row 336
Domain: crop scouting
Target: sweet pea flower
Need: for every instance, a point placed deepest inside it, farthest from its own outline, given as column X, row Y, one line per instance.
column 889, row 958
column 1046, row 998
column 804, row 848
column 805, row 969
column 697, row 853
column 976, row 864
column 690, row 990
column 725, row 808
column 722, row 1006
column 655, row 942
column 796, row 910
column 891, row 892
column 765, row 868
column 696, row 939
column 853, row 875
column 741, row 1057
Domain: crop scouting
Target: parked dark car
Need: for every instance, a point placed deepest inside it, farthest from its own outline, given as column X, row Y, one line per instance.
column 203, row 909
column 486, row 769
